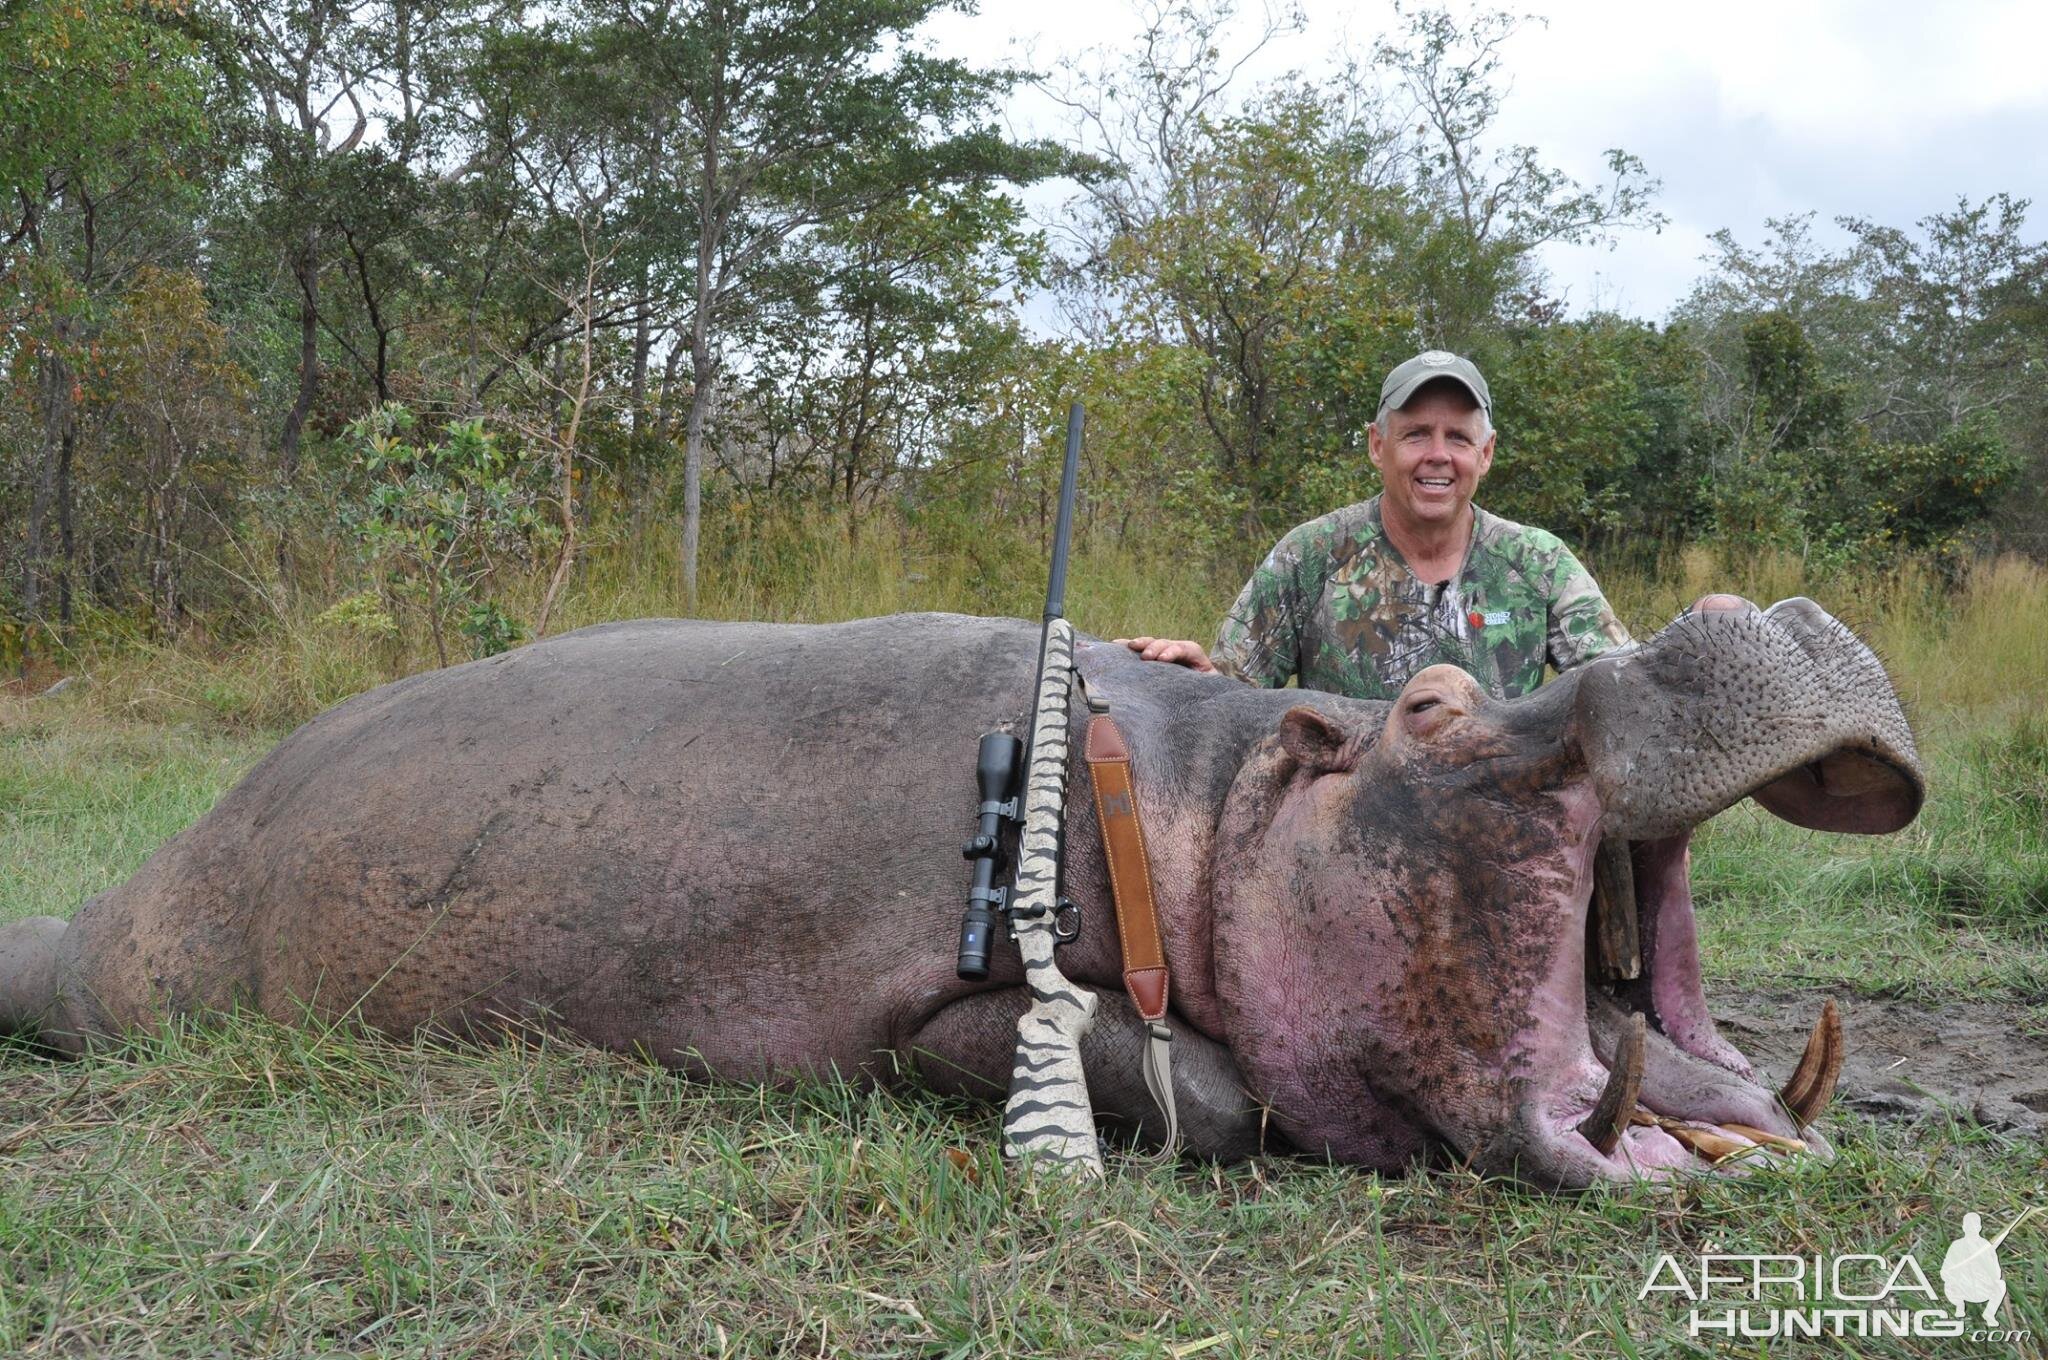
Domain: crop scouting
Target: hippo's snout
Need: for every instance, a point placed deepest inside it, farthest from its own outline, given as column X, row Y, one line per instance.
column 1783, row 704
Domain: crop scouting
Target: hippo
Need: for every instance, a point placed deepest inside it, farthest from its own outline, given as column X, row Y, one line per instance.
column 734, row 848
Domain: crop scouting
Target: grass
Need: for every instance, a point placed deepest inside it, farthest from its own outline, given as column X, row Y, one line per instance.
column 250, row 1189
column 83, row 803
column 1956, row 904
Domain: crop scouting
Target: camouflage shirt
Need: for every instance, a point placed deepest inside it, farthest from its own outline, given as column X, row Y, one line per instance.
column 1335, row 604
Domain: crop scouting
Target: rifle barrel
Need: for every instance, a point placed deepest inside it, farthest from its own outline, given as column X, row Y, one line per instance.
column 1063, row 527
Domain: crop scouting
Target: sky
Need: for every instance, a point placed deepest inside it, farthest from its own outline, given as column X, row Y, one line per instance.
column 1744, row 109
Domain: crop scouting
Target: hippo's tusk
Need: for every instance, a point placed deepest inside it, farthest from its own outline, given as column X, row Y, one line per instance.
column 1774, row 1142
column 1707, row 1143
column 1812, row 1084
column 1614, row 910
column 1711, row 1142
column 1617, row 1102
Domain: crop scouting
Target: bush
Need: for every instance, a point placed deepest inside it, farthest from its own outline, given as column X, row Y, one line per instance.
column 436, row 521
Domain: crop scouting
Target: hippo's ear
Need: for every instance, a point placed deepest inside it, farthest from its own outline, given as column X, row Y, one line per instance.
column 1316, row 741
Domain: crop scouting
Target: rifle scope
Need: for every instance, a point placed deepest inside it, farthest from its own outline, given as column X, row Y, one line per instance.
column 995, row 771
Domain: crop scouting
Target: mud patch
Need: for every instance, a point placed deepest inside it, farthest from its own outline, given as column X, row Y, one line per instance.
column 1979, row 1060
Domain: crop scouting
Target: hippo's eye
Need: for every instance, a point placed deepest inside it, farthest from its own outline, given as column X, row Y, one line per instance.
column 1425, row 713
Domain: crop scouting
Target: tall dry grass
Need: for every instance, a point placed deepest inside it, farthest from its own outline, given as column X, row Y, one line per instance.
column 1970, row 649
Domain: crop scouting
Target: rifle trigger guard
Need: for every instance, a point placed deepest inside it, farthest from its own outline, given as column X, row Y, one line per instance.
column 1066, row 922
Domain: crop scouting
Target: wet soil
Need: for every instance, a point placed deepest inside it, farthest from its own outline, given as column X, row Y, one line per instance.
column 1985, row 1061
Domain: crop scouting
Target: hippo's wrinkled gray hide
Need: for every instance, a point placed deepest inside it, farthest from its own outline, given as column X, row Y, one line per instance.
column 736, row 847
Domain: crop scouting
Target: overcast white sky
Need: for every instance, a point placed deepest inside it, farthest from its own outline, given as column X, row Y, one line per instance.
column 1745, row 109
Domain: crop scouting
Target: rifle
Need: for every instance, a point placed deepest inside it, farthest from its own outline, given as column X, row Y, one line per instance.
column 1048, row 1118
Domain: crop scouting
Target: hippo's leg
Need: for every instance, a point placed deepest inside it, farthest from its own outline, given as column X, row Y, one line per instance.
column 28, row 973
column 967, row 1048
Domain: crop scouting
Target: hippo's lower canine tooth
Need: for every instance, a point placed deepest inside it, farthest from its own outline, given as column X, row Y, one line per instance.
column 1706, row 1142
column 1617, row 1103
column 1812, row 1084
column 1772, row 1141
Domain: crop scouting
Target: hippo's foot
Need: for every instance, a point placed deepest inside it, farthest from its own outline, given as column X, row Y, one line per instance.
column 966, row 1049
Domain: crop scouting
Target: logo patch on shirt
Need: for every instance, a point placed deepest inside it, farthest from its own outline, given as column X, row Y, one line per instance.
column 1492, row 619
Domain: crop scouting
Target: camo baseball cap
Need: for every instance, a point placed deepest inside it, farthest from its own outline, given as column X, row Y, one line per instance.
column 1407, row 378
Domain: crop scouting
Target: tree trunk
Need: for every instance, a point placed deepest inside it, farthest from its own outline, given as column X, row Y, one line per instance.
column 434, row 614
column 634, row 476
column 643, row 344
column 706, row 379
column 566, row 468
column 306, row 269
column 163, row 571
column 711, row 224
column 67, row 546
column 56, row 384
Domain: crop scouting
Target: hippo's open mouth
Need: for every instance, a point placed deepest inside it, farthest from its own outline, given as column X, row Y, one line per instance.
column 1674, row 1093
column 1633, row 1076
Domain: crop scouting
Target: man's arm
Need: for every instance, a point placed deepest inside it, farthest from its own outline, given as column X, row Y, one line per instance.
column 1260, row 641
column 1582, row 625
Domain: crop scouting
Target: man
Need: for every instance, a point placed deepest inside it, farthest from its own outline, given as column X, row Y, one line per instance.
column 1361, row 599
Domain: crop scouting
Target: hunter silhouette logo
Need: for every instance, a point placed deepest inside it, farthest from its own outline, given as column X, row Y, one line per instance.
column 1757, row 1296
column 1970, row 1272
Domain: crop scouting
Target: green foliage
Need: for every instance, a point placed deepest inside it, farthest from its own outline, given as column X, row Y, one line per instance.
column 94, row 89
column 1571, row 414
column 438, row 520
column 489, row 628
column 1875, row 499
column 363, row 611
column 498, row 213
column 1875, row 401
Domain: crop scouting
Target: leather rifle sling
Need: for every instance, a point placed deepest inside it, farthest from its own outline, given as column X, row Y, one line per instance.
column 1130, row 888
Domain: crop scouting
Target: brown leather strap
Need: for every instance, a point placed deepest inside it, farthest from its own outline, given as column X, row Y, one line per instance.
column 1130, row 875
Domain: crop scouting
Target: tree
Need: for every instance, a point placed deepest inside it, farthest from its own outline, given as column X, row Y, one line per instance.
column 858, row 386
column 794, row 115
column 436, row 520
column 1276, row 237
column 101, row 111
column 1301, row 238
column 303, row 63
column 1492, row 206
column 174, row 408
column 1838, row 379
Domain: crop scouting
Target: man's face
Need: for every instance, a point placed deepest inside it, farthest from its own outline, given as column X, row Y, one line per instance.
column 1433, row 454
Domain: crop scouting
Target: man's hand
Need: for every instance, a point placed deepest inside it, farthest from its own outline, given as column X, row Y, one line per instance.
column 1180, row 653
